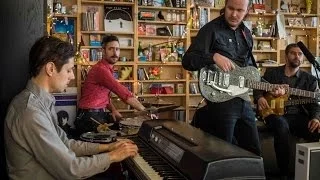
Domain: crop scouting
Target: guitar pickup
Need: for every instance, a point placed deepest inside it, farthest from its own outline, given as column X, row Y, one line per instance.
column 241, row 82
column 220, row 79
column 226, row 79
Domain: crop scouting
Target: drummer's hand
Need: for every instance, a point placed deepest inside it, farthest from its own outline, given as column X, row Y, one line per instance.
column 123, row 150
column 116, row 115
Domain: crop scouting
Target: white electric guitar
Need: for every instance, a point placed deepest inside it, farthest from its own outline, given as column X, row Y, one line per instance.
column 218, row 86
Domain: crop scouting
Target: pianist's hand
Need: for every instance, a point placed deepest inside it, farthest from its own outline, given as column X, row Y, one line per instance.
column 117, row 144
column 123, row 150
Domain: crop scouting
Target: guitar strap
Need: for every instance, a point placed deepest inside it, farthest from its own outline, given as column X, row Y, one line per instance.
column 250, row 50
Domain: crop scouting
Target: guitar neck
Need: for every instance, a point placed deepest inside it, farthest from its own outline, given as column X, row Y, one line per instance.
column 300, row 101
column 291, row 91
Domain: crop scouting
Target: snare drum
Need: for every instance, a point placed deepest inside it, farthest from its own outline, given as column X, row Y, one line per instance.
column 102, row 137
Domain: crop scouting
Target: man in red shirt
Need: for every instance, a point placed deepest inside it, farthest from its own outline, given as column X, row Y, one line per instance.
column 95, row 95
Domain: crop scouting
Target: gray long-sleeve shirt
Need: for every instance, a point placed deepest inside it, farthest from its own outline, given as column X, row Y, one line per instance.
column 37, row 148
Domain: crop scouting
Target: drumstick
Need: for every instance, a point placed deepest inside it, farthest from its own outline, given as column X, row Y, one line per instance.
column 95, row 121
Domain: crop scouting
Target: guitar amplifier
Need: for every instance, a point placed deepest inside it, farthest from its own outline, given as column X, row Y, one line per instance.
column 307, row 161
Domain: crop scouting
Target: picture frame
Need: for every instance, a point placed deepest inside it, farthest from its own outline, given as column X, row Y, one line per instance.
column 264, row 45
column 298, row 21
column 125, row 42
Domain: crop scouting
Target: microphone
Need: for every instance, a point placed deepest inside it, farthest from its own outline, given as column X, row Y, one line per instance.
column 306, row 52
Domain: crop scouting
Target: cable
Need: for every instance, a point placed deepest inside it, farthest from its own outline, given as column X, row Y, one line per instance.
column 193, row 122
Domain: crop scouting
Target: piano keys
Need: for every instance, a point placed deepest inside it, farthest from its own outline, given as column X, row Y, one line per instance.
column 174, row 150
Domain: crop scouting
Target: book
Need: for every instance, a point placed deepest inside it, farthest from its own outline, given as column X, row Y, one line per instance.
column 94, row 40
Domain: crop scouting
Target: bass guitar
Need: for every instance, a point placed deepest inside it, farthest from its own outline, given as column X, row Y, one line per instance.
column 218, row 86
column 277, row 104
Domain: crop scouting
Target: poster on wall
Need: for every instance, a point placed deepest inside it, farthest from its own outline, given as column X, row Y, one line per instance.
column 118, row 19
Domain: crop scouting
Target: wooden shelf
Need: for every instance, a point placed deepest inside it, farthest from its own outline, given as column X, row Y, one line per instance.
column 193, row 95
column 98, row 47
column 107, row 32
column 107, row 2
column 119, row 63
column 299, row 27
column 265, row 38
column 65, row 15
column 262, row 14
column 162, row 22
column 163, row 8
column 154, row 63
column 162, row 80
column 126, row 81
column 161, row 95
column 160, row 37
column 300, row 14
column 264, row 51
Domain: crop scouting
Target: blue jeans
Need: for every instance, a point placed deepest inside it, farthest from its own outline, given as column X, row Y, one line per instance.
column 282, row 127
column 234, row 122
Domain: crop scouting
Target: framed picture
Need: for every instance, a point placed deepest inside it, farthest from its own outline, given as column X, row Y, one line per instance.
column 299, row 22
column 125, row 42
column 304, row 39
column 295, row 21
column 264, row 45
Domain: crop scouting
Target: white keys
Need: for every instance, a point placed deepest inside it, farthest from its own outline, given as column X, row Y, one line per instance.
column 147, row 169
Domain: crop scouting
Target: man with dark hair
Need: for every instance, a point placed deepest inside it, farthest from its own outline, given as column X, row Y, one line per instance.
column 97, row 88
column 299, row 120
column 226, row 41
column 35, row 146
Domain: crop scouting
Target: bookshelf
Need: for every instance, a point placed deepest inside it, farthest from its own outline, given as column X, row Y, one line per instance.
column 172, row 73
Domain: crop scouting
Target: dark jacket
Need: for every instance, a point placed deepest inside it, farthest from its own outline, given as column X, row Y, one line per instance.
column 217, row 36
column 305, row 81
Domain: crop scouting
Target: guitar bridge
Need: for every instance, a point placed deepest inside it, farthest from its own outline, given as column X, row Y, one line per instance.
column 220, row 80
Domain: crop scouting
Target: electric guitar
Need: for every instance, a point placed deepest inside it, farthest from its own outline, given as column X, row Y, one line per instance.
column 278, row 104
column 218, row 86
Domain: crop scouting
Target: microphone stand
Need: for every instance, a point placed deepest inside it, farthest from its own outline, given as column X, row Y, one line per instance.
column 316, row 66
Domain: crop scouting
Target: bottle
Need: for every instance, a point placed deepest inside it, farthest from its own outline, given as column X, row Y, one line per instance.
column 150, row 52
column 140, row 50
column 178, row 16
column 169, row 16
column 182, row 16
column 183, row 3
column 174, row 16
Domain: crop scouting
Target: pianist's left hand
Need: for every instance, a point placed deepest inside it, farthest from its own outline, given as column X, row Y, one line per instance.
column 122, row 149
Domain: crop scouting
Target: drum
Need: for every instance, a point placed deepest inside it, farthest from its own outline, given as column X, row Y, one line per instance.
column 101, row 137
column 131, row 126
